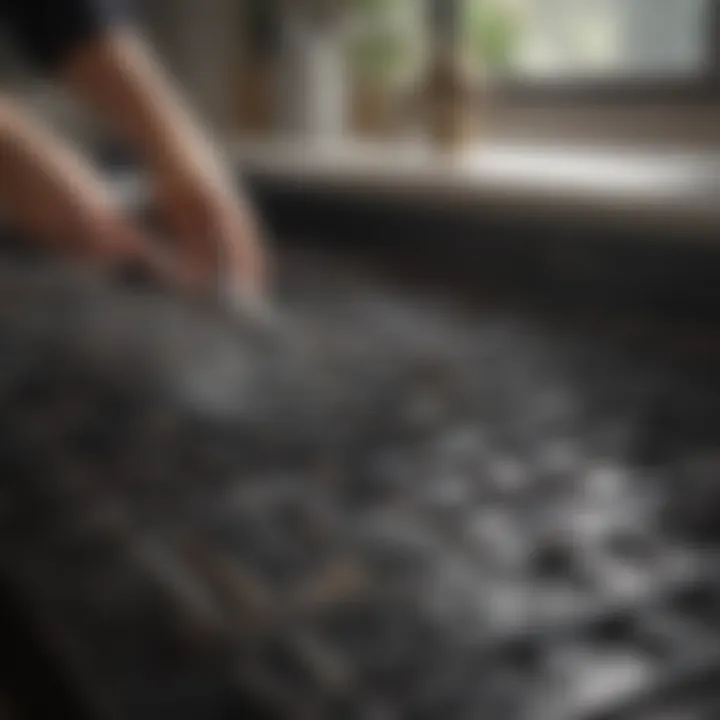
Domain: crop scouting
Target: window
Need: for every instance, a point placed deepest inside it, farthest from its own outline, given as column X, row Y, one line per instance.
column 581, row 41
column 650, row 47
column 585, row 39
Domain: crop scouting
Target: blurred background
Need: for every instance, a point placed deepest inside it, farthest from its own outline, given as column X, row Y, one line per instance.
column 577, row 106
column 623, row 70
column 527, row 68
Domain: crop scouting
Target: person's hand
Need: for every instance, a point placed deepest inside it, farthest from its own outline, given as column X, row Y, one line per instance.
column 51, row 194
column 210, row 223
column 212, row 228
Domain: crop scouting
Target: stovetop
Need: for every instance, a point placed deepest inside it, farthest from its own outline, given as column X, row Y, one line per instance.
column 389, row 506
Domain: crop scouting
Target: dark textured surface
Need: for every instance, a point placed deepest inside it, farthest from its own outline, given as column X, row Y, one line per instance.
column 390, row 507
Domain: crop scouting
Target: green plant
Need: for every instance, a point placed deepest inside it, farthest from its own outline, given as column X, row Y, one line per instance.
column 382, row 41
column 376, row 55
column 371, row 6
column 493, row 32
column 334, row 7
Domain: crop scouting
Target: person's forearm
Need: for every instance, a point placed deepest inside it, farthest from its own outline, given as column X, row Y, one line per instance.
column 18, row 144
column 33, row 164
column 56, row 199
column 118, row 77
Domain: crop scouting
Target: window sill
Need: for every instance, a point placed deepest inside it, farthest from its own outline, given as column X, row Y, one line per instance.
column 599, row 185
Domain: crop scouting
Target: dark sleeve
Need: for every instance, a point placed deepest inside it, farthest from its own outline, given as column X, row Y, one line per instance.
column 48, row 31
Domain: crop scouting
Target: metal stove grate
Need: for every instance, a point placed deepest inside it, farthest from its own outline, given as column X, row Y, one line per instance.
column 400, row 511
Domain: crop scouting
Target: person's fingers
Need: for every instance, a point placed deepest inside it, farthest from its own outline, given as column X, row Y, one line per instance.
column 222, row 250
column 191, row 230
column 216, row 237
column 116, row 244
column 149, row 258
column 243, row 260
column 256, row 242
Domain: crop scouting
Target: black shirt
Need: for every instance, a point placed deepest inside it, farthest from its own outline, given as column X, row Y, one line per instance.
column 48, row 31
